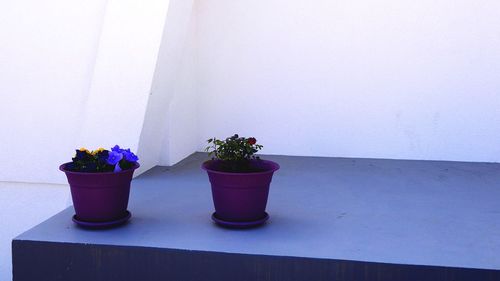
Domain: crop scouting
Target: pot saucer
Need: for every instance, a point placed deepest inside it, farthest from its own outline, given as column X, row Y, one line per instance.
column 240, row 224
column 102, row 224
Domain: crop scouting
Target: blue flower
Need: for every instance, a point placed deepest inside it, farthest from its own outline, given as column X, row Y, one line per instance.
column 130, row 156
column 116, row 148
column 117, row 168
column 114, row 157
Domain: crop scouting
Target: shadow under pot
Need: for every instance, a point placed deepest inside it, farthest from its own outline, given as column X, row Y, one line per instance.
column 240, row 197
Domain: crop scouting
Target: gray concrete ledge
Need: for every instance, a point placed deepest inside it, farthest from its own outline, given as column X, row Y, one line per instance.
column 331, row 218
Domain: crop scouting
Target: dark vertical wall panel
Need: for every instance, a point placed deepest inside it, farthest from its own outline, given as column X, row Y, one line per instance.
column 46, row 261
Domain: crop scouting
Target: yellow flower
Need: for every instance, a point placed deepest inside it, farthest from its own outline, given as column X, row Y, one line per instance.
column 100, row 149
column 83, row 149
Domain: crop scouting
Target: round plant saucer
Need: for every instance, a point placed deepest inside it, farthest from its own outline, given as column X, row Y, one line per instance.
column 241, row 224
column 103, row 224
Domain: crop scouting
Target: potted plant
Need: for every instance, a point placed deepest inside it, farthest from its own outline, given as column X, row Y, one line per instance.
column 100, row 185
column 240, row 181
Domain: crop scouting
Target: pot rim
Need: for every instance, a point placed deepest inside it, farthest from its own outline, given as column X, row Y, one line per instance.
column 63, row 169
column 276, row 167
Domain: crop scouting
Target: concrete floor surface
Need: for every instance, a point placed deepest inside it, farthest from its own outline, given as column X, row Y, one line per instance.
column 392, row 211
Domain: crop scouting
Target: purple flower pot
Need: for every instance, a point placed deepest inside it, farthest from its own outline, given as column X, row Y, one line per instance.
column 99, row 197
column 240, row 197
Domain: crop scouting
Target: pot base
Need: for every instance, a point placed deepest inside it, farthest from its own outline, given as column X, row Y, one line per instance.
column 242, row 224
column 104, row 224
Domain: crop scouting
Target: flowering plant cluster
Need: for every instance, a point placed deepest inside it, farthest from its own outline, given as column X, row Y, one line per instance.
column 235, row 152
column 102, row 160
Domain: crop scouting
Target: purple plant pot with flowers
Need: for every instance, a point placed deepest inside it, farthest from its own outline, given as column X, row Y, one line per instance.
column 240, row 181
column 100, row 183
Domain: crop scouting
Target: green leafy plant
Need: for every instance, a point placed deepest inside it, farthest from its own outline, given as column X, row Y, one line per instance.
column 235, row 153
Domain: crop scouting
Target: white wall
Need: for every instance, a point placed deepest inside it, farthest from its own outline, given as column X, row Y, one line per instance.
column 47, row 54
column 182, row 132
column 387, row 79
column 170, row 126
column 73, row 74
column 358, row 78
column 123, row 75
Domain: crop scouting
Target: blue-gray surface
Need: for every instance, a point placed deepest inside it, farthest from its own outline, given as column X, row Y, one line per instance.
column 390, row 211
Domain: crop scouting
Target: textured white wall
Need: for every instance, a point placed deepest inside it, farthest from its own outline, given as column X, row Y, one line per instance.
column 384, row 79
column 47, row 55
